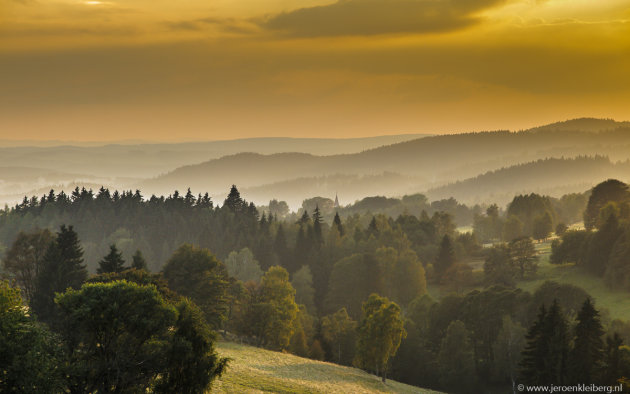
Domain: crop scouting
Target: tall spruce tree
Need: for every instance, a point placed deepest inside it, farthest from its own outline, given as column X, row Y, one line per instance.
column 587, row 355
column 62, row 268
column 113, row 262
column 317, row 227
column 556, row 332
column 545, row 357
column 533, row 354
column 234, row 202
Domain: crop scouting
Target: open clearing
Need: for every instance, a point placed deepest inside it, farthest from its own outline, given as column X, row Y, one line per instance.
column 254, row 370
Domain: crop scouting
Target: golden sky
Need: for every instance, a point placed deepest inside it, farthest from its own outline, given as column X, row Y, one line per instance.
column 222, row 69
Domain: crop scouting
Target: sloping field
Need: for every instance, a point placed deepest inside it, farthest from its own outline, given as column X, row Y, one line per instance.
column 254, row 370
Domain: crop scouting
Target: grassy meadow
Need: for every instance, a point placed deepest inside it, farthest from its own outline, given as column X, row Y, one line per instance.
column 617, row 302
column 254, row 370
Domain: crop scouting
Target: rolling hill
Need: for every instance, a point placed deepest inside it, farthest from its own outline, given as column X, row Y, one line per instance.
column 420, row 164
column 255, row 370
column 553, row 177
column 142, row 160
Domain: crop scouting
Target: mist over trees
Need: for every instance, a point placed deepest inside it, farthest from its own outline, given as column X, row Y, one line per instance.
column 347, row 285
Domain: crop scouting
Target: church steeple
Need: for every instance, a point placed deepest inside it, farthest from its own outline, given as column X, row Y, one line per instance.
column 336, row 201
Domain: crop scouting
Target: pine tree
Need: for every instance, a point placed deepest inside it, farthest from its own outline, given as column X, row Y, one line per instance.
column 234, row 202
column 556, row 333
column 189, row 199
column 337, row 224
column 532, row 357
column 586, row 357
column 304, row 219
column 113, row 262
column 317, row 226
column 62, row 268
column 138, row 262
column 545, row 358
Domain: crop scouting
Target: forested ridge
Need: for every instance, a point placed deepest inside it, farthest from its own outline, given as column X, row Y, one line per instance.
column 350, row 288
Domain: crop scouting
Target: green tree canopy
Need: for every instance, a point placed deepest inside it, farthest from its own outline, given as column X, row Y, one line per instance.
column 607, row 191
column 456, row 360
column 243, row 266
column 197, row 274
column 124, row 337
column 302, row 282
column 30, row 355
column 339, row 331
column 379, row 335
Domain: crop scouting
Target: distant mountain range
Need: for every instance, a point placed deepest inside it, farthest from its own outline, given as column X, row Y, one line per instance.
column 473, row 167
column 418, row 165
column 128, row 160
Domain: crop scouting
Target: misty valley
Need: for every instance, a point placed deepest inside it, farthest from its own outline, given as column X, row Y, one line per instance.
column 484, row 262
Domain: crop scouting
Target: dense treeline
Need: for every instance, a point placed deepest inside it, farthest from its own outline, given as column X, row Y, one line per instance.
column 489, row 340
column 530, row 215
column 603, row 249
column 158, row 225
column 353, row 292
column 121, row 331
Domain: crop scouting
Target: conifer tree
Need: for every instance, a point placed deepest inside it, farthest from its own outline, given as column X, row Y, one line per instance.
column 532, row 357
column 304, row 219
column 337, row 224
column 113, row 262
column 586, row 357
column 317, row 227
column 138, row 262
column 62, row 268
column 545, row 358
column 234, row 202
column 556, row 334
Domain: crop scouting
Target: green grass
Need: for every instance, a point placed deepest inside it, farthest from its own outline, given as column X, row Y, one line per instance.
column 254, row 370
column 614, row 304
column 617, row 302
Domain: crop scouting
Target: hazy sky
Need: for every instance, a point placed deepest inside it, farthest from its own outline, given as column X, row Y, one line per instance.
column 219, row 69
